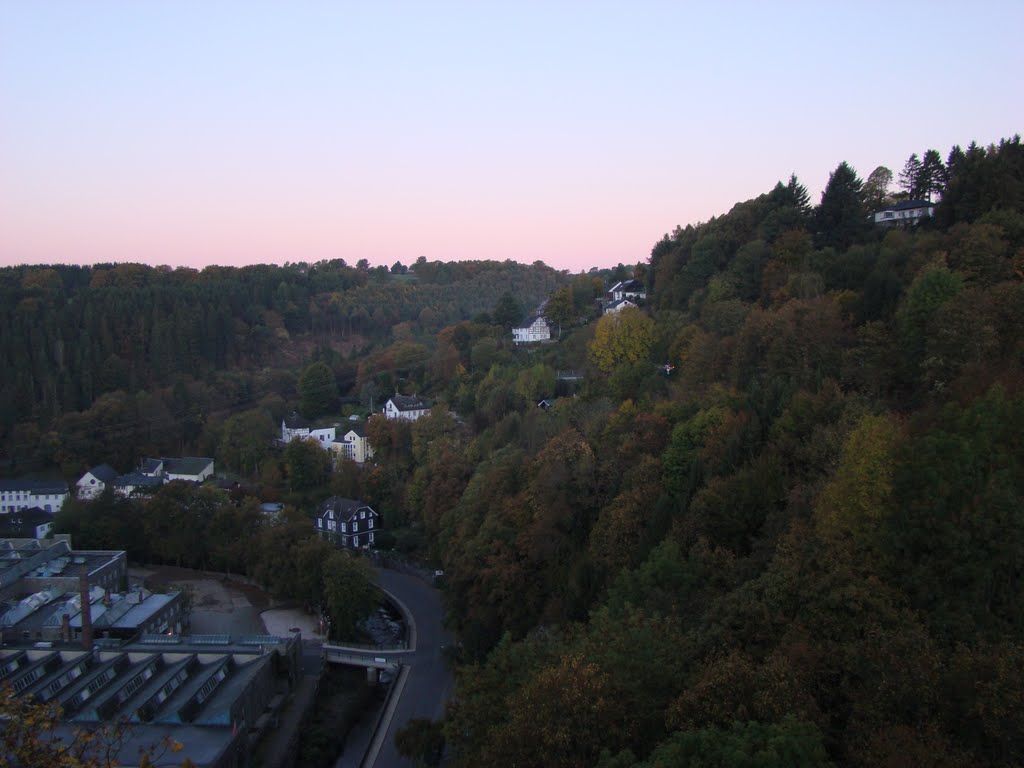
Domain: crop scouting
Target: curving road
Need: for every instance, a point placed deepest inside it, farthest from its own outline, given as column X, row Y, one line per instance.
column 425, row 683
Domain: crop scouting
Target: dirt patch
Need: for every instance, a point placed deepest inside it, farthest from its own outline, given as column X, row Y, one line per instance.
column 210, row 590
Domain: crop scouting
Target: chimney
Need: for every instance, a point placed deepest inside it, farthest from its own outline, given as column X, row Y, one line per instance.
column 83, row 591
column 65, row 628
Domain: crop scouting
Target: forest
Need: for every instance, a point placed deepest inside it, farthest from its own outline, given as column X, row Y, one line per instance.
column 775, row 518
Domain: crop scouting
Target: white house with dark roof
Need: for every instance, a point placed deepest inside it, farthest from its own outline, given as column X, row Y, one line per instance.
column 628, row 289
column 347, row 522
column 95, row 481
column 617, row 305
column 536, row 329
column 406, row 408
column 907, row 213
column 194, row 469
column 16, row 495
column 294, row 426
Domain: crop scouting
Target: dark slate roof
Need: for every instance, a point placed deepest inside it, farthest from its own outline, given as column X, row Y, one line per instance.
column 632, row 285
column 104, row 473
column 137, row 480
column 619, row 303
column 150, row 466
column 357, row 428
column 344, row 509
column 908, row 204
column 295, row 421
column 190, row 465
column 23, row 524
column 35, row 486
column 409, row 403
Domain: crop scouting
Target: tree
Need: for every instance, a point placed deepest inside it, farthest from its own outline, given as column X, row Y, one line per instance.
column 28, row 739
column 508, row 312
column 348, row 592
column 306, row 464
column 840, row 220
column 622, row 339
column 318, row 390
column 931, row 176
column 422, row 741
column 245, row 440
column 560, row 308
column 876, row 188
column 910, row 177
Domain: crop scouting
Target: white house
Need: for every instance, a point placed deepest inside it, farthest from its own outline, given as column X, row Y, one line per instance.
column 93, row 482
column 294, row 426
column 907, row 213
column 16, row 495
column 617, row 306
column 353, row 445
column 194, row 469
column 536, row 329
column 405, row 408
column 628, row 289
column 347, row 522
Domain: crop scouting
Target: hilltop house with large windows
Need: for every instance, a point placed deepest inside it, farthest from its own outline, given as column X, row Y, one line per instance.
column 347, row 522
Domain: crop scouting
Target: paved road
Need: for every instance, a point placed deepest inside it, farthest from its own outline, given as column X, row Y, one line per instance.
column 427, row 681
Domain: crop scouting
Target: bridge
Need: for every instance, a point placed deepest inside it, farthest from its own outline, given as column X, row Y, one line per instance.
column 373, row 657
column 422, row 679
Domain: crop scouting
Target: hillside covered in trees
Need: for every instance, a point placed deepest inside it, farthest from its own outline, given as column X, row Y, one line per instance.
column 776, row 519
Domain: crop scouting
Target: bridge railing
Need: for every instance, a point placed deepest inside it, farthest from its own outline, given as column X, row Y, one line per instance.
column 366, row 647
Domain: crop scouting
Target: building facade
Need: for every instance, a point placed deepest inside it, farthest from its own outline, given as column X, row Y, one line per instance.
column 347, row 522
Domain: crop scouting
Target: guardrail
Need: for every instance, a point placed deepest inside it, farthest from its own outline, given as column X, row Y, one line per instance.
column 382, row 661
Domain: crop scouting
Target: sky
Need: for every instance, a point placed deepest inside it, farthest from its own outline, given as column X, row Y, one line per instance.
column 191, row 133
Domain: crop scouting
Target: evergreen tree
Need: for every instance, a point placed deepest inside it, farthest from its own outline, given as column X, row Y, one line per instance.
column 931, row 176
column 910, row 177
column 318, row 390
column 840, row 219
column 508, row 312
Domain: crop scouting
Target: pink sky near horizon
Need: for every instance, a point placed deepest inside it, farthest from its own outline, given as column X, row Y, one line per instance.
column 190, row 134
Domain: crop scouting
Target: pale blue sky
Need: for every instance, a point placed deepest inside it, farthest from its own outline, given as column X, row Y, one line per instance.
column 577, row 133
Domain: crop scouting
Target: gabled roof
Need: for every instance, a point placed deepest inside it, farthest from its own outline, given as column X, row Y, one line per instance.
column 35, row 486
column 190, row 465
column 104, row 473
column 344, row 509
column 409, row 403
column 295, row 421
column 633, row 286
column 138, row 480
column 24, row 522
column 356, row 428
column 150, row 466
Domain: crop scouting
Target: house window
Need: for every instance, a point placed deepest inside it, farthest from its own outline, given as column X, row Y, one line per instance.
column 355, row 541
column 370, row 523
column 362, row 515
column 344, row 527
